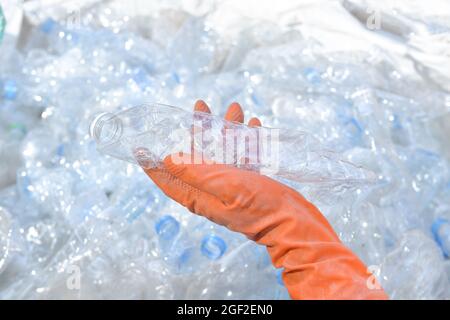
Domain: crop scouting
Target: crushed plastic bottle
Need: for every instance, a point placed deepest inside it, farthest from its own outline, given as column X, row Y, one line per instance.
column 148, row 133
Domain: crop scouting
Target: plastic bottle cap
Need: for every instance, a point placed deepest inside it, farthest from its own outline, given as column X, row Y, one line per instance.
column 213, row 247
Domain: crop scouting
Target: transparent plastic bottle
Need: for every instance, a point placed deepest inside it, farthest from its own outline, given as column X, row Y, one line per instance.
column 146, row 134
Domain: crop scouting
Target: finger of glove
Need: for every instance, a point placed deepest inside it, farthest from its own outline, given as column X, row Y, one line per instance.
column 201, row 106
column 236, row 115
column 254, row 122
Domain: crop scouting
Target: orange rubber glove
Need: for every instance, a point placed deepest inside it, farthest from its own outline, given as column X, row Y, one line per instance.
column 297, row 236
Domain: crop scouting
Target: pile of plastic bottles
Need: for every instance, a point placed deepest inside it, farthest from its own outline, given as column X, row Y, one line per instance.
column 78, row 224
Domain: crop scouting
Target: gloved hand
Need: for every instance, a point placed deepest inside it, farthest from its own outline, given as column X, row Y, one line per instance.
column 297, row 236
